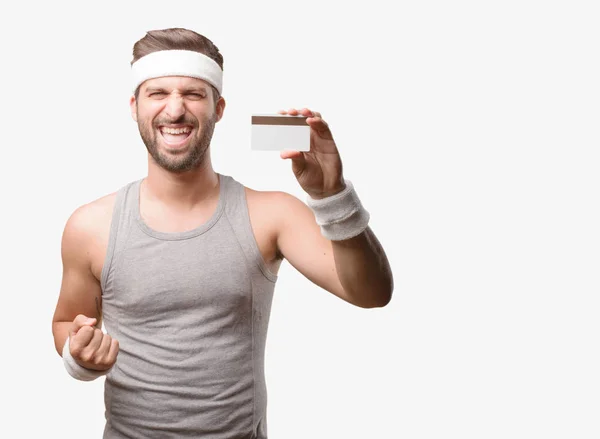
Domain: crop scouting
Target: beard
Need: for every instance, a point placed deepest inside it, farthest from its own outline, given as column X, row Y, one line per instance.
column 179, row 161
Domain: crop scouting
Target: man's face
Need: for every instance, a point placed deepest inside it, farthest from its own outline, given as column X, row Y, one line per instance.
column 176, row 117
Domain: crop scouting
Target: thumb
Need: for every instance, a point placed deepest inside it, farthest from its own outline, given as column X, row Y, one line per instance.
column 287, row 154
column 81, row 321
column 298, row 160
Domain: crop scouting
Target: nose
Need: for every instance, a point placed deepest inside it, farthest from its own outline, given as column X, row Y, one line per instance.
column 175, row 107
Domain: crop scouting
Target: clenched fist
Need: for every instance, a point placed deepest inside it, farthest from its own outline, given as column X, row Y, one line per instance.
column 90, row 347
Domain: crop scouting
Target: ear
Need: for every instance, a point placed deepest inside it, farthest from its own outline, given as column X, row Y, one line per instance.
column 133, row 107
column 220, row 108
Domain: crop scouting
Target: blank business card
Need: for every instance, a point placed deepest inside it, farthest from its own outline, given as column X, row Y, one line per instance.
column 279, row 132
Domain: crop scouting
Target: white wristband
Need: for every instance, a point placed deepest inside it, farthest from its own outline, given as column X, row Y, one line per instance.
column 340, row 216
column 75, row 370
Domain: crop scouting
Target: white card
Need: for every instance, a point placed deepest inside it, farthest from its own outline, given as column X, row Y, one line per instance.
column 279, row 132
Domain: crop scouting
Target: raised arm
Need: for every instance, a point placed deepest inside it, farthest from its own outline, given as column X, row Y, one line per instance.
column 356, row 269
column 329, row 240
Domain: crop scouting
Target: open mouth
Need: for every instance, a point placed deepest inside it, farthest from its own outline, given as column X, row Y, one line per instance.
column 175, row 137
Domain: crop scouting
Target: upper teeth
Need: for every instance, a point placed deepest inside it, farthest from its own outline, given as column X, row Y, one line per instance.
column 176, row 130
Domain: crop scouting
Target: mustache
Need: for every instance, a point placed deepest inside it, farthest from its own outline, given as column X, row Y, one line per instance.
column 183, row 120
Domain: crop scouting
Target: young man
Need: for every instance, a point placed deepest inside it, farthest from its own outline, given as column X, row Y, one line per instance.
column 181, row 265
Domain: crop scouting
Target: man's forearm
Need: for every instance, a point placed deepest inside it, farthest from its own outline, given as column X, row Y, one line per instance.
column 363, row 270
column 60, row 331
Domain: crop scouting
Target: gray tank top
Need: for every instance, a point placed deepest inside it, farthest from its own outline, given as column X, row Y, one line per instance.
column 190, row 311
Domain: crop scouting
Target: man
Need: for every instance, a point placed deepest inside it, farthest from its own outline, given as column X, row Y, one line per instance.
column 181, row 265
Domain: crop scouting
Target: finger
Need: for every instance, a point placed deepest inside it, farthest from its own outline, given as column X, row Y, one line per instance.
column 83, row 336
column 298, row 161
column 309, row 113
column 290, row 154
column 317, row 122
column 282, row 112
column 88, row 354
column 104, row 347
column 320, row 126
column 113, row 352
column 79, row 322
column 80, row 341
column 292, row 112
column 96, row 341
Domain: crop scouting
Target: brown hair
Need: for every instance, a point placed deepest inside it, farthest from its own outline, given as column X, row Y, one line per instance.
column 176, row 39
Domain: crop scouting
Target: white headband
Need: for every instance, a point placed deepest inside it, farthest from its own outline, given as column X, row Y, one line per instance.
column 177, row 63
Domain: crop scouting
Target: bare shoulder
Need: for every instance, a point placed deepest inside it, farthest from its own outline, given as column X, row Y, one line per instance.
column 87, row 232
column 268, row 211
column 275, row 206
column 91, row 217
column 273, row 200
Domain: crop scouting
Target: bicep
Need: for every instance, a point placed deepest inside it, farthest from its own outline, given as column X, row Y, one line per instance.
column 301, row 243
column 80, row 291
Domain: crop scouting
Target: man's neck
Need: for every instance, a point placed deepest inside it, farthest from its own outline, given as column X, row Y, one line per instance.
column 186, row 190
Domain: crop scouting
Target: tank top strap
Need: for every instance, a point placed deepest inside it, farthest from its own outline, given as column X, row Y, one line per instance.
column 236, row 212
column 120, row 226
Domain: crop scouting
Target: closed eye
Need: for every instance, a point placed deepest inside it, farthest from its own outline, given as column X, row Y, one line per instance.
column 196, row 95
